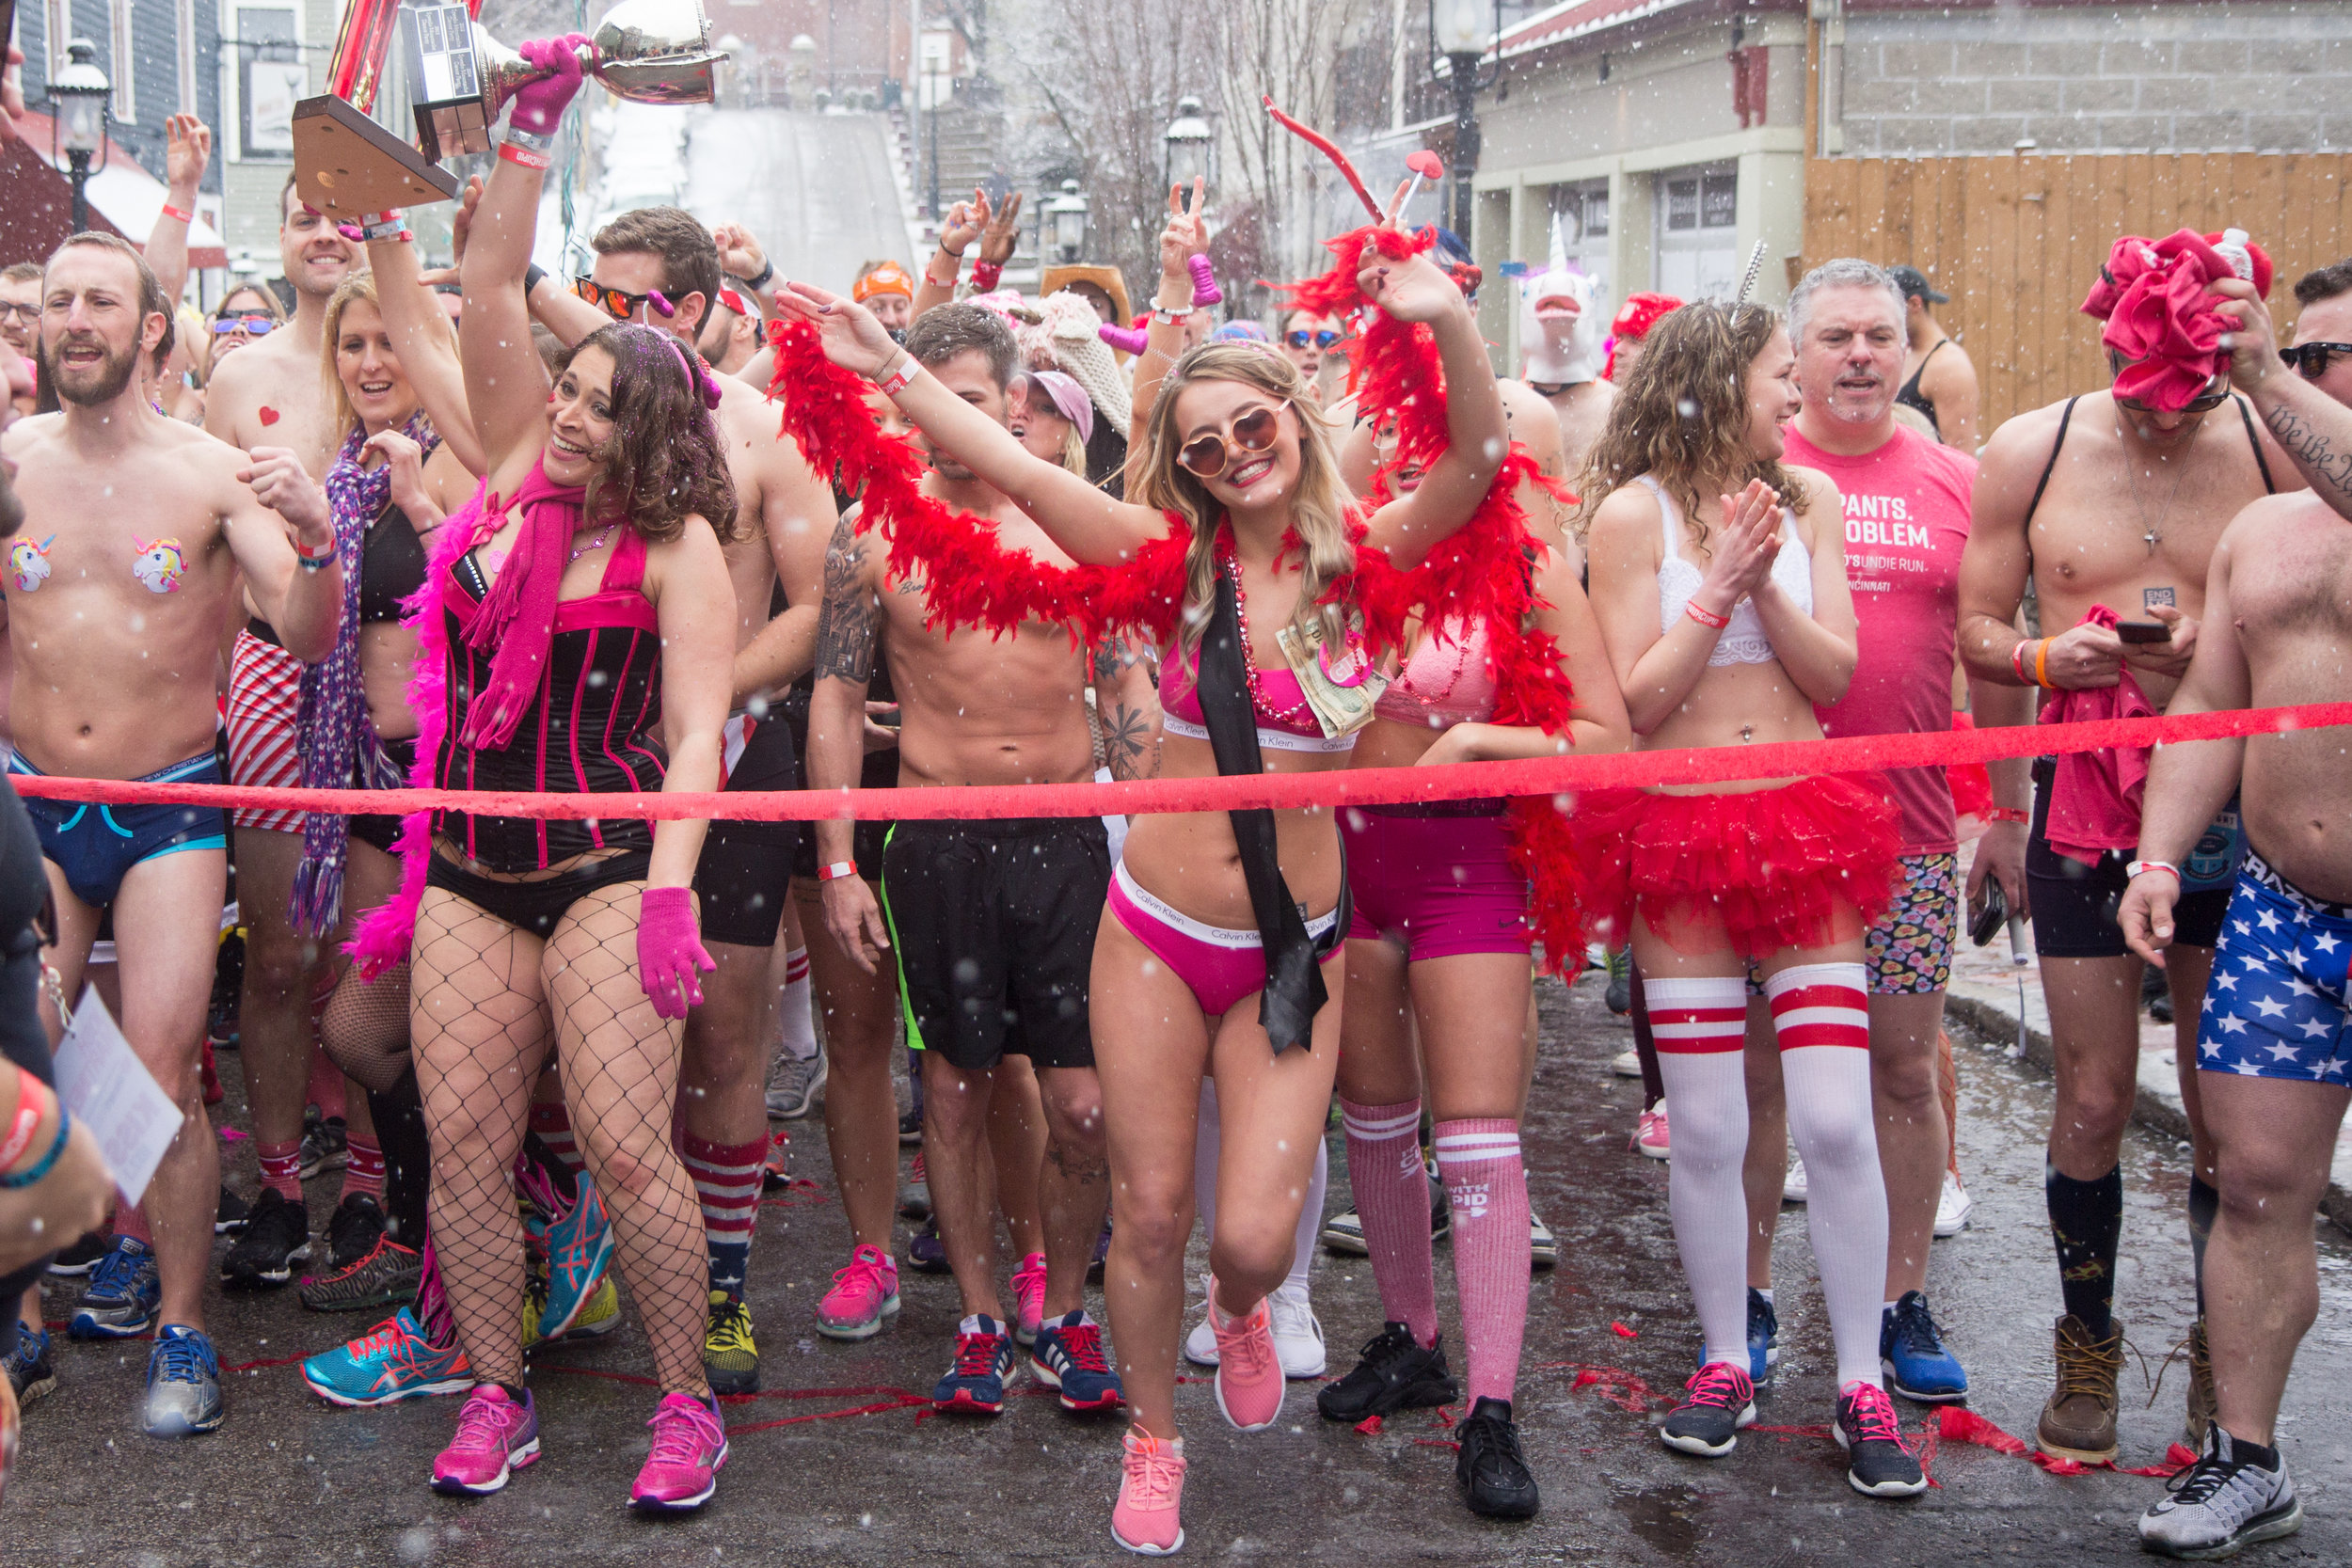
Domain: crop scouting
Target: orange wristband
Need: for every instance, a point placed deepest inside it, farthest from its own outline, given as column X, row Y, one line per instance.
column 2041, row 663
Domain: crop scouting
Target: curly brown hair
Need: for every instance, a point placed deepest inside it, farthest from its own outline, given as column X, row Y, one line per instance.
column 664, row 461
column 1682, row 415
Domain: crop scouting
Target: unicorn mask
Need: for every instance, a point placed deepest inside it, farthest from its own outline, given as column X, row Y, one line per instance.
column 1561, row 322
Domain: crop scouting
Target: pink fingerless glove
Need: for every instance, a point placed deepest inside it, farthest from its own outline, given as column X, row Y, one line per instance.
column 539, row 107
column 670, row 952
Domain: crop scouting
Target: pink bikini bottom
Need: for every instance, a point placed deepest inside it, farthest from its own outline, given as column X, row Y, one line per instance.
column 1439, row 883
column 1223, row 967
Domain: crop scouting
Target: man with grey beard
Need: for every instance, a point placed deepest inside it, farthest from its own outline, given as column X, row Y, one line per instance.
column 137, row 527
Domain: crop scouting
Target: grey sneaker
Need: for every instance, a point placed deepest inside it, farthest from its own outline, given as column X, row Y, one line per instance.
column 2223, row 1503
column 1542, row 1248
column 183, row 1384
column 796, row 1088
column 1345, row 1235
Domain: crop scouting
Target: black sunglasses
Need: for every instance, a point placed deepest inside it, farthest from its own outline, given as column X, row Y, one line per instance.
column 1324, row 338
column 2309, row 360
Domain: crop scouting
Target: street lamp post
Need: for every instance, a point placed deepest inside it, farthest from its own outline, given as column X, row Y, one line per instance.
column 79, row 95
column 1191, row 145
column 930, row 112
column 1462, row 31
column 1067, row 213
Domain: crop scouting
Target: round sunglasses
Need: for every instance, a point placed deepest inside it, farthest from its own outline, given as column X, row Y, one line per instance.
column 1300, row 338
column 1207, row 456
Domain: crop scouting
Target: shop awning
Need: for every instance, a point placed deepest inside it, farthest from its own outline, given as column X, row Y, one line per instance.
column 36, row 200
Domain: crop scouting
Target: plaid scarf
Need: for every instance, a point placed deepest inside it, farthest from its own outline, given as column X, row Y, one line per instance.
column 336, row 738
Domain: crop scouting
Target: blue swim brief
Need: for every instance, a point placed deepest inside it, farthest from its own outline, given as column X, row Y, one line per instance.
column 2275, row 1007
column 96, row 846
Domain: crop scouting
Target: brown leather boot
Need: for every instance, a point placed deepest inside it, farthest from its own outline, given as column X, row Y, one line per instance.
column 2200, row 1397
column 2079, row 1420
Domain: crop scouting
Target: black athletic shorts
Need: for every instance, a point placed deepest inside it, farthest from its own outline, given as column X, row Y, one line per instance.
column 993, row 926
column 880, row 772
column 746, row 867
column 2073, row 904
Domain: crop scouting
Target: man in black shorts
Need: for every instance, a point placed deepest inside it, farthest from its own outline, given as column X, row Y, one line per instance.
column 992, row 921
column 2106, row 501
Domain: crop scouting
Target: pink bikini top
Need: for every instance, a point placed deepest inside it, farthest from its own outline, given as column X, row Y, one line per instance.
column 1449, row 680
column 1292, row 726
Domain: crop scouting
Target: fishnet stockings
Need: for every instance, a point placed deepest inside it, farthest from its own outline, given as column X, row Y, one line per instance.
column 365, row 1031
column 487, row 999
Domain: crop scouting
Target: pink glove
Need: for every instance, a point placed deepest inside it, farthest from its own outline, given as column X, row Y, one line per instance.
column 539, row 107
column 670, row 951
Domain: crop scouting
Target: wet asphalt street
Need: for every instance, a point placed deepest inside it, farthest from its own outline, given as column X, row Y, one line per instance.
column 291, row 1481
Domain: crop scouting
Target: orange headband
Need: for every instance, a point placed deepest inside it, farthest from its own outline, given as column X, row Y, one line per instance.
column 888, row 279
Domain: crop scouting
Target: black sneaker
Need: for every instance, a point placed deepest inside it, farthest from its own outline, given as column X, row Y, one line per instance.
column 910, row 1127
column 1489, row 1468
column 1879, row 1463
column 275, row 1238
column 1394, row 1372
column 1721, row 1401
column 326, row 1144
column 229, row 1219
column 83, row 1254
column 353, row 1231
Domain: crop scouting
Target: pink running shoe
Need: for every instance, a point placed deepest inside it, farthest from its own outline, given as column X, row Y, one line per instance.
column 862, row 1296
column 1248, row 1373
column 495, row 1437
column 1151, row 1490
column 1028, row 1299
column 689, row 1448
column 1649, row 1134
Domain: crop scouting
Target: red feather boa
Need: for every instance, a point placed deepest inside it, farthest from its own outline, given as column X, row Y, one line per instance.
column 1479, row 573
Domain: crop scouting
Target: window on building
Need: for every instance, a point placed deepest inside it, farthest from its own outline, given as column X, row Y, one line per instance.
column 122, row 55
column 1697, row 250
column 271, row 78
column 1582, row 212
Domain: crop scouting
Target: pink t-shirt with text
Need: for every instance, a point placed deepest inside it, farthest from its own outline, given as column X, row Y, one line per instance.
column 1906, row 524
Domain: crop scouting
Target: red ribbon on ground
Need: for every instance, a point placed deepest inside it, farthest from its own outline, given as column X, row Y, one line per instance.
column 1281, row 791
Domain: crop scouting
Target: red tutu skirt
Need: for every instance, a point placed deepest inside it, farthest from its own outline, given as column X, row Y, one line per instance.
column 1773, row 868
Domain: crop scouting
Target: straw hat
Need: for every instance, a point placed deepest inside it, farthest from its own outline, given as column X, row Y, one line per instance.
column 1080, row 354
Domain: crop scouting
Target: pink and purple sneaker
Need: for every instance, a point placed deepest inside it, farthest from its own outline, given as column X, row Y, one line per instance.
column 689, row 1448
column 496, row 1437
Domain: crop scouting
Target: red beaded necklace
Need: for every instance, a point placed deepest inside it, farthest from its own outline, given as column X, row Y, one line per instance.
column 1230, row 563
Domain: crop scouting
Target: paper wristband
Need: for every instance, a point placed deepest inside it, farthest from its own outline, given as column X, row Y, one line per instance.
column 28, row 1118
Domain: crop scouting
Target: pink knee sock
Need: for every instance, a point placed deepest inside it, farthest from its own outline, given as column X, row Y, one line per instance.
column 365, row 1172
column 281, row 1168
column 1478, row 1160
column 1392, row 1189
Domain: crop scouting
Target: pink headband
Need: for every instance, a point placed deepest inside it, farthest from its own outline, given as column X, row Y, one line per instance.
column 697, row 375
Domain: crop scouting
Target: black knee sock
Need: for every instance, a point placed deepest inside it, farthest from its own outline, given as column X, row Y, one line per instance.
column 398, row 1113
column 2204, row 1202
column 2086, row 1222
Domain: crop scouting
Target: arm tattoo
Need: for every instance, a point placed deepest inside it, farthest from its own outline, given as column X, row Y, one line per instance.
column 1128, row 738
column 2326, row 467
column 846, row 620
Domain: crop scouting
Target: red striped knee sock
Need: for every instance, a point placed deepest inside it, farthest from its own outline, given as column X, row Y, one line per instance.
column 1392, row 1187
column 794, row 1007
column 726, row 1180
column 1700, row 1025
column 364, row 1173
column 1478, row 1160
column 281, row 1168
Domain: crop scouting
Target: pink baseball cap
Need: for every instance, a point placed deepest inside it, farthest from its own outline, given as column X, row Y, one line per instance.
column 1070, row 400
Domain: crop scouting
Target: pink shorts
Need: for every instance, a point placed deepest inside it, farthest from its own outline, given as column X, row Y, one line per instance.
column 264, row 701
column 1223, row 967
column 1437, row 884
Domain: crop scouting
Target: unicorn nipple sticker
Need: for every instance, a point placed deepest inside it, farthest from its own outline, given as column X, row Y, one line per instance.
column 159, row 566
column 28, row 562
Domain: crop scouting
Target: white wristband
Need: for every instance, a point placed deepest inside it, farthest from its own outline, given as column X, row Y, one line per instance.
column 2136, row 867
column 838, row 870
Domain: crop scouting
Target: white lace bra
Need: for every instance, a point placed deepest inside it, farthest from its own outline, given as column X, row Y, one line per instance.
column 1745, row 640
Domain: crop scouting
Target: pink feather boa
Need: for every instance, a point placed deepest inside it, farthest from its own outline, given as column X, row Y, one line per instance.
column 383, row 934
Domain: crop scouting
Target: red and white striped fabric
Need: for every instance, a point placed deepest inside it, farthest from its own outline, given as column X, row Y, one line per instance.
column 1697, row 1016
column 1818, row 1005
column 264, row 701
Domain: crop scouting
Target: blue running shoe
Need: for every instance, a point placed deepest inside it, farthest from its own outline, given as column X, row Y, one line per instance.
column 580, row 1246
column 30, row 1370
column 183, row 1384
column 1911, row 1354
column 393, row 1361
column 1068, row 1355
column 974, row 1385
column 1763, row 1340
column 122, row 1297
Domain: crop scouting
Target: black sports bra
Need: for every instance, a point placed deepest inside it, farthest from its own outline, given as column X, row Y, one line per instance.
column 1911, row 396
column 392, row 566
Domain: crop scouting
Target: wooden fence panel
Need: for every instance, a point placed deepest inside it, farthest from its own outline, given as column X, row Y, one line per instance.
column 2017, row 240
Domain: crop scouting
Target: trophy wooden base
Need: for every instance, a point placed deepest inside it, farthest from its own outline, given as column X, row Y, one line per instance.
column 346, row 164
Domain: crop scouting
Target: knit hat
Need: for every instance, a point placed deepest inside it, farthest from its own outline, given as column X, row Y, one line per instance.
column 1080, row 353
column 888, row 278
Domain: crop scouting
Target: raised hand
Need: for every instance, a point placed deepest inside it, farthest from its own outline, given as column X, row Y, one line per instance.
column 1412, row 290
column 1003, row 230
column 188, row 147
column 1185, row 235
column 967, row 222
column 739, row 254
column 539, row 105
column 851, row 335
column 282, row 483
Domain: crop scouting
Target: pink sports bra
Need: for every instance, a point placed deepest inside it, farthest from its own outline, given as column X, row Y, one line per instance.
column 1449, row 680
column 1293, row 727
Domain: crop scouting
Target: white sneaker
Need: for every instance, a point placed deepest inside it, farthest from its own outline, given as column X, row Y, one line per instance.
column 1953, row 1207
column 794, row 1087
column 1200, row 1344
column 1628, row 1064
column 1793, row 1189
column 1297, row 1334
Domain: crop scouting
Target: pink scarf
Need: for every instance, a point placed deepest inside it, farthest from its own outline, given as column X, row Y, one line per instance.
column 516, row 625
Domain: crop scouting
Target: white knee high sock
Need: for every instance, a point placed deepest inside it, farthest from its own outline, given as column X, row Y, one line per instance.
column 1820, row 1015
column 795, row 1009
column 1700, row 1025
column 1310, row 1216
